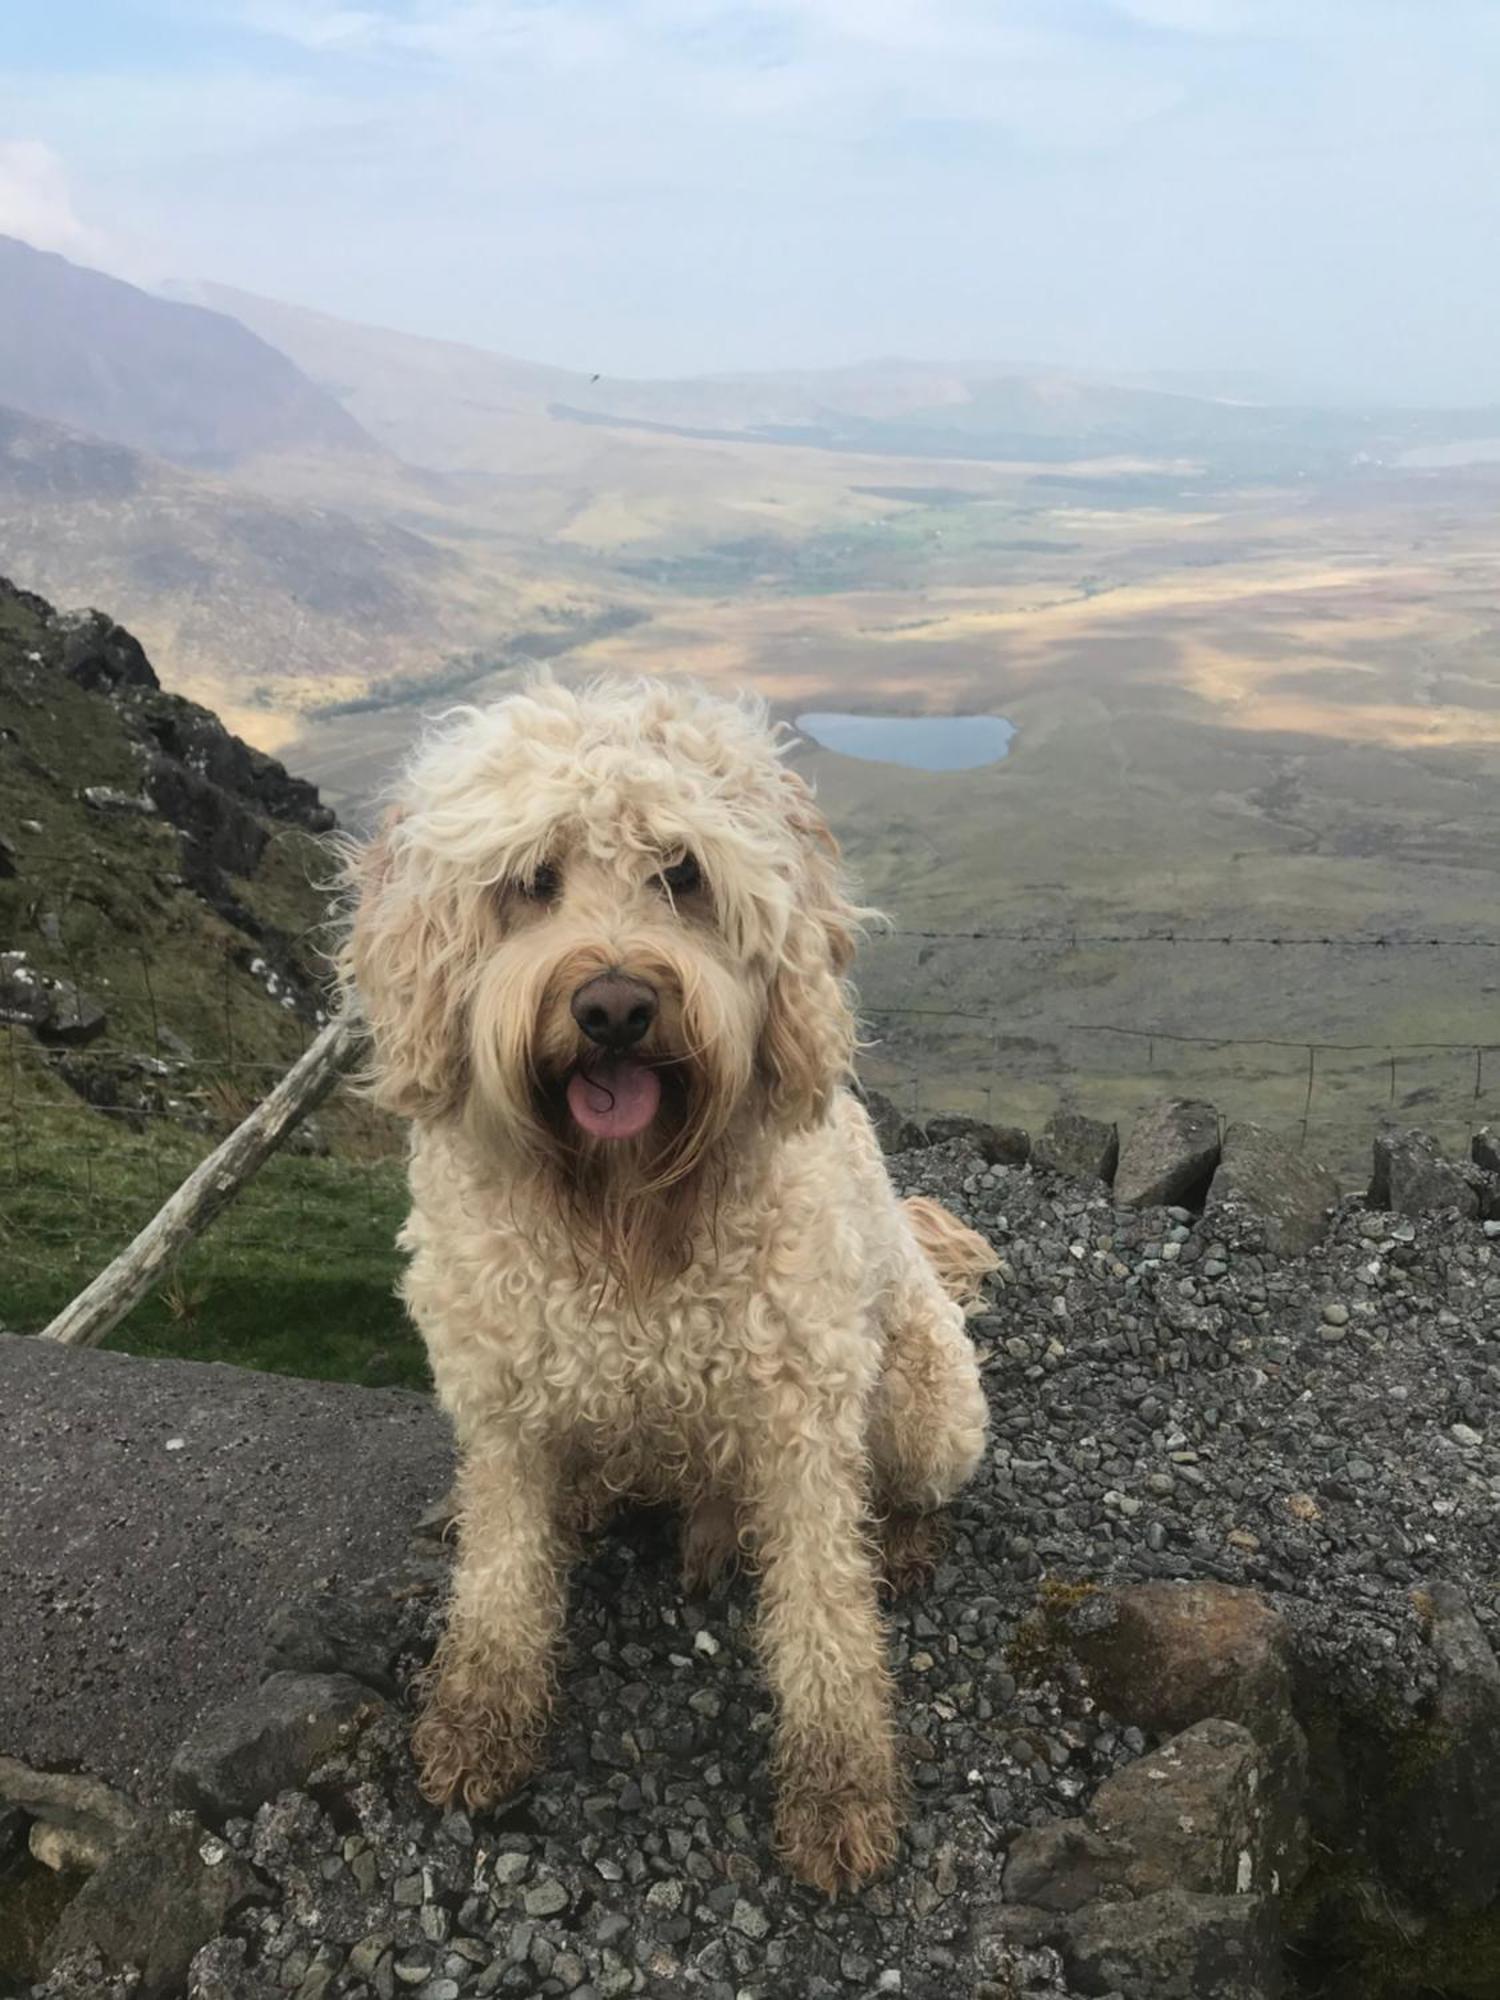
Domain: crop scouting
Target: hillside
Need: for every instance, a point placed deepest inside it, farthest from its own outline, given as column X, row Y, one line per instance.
column 256, row 604
column 161, row 962
column 80, row 348
column 440, row 403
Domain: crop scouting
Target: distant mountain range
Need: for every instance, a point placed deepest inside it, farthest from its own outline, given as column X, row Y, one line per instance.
column 83, row 349
column 297, row 512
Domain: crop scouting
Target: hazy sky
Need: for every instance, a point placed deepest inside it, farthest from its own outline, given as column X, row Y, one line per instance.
column 1307, row 190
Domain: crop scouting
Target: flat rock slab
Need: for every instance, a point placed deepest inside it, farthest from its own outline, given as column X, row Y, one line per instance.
column 154, row 1515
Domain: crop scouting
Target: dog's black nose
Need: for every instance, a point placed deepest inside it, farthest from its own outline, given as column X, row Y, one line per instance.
column 615, row 1010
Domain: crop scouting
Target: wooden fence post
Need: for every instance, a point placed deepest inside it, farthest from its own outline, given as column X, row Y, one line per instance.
column 211, row 1186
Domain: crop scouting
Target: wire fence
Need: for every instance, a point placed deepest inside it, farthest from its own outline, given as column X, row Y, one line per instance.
column 99, row 1123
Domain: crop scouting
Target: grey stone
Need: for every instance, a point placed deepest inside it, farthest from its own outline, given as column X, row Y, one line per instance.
column 267, row 1741
column 1170, row 1655
column 1484, row 1150
column 25, row 993
column 356, row 1632
column 1439, row 1837
column 1411, row 1176
column 73, row 1016
column 1169, row 1156
column 1268, row 1178
column 896, row 1132
column 1178, row 1946
column 997, row 1145
column 69, row 1850
column 148, row 1576
column 104, row 799
column 1191, row 1814
column 154, row 1903
column 80, row 1820
column 1063, row 1865
column 1082, row 1148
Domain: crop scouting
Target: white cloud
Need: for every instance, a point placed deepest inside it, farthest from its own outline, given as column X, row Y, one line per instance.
column 35, row 203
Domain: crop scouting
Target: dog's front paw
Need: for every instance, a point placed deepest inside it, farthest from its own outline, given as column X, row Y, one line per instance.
column 471, row 1749
column 837, row 1814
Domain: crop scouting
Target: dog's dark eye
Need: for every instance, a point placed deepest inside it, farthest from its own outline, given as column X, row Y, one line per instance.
column 682, row 877
column 545, row 883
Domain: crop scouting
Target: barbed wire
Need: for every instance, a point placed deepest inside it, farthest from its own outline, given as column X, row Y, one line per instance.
column 1073, row 939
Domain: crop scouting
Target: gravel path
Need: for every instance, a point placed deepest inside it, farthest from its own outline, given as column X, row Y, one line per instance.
column 1168, row 1402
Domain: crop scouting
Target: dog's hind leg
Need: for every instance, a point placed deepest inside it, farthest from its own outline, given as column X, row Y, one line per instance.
column 710, row 1542
column 930, row 1415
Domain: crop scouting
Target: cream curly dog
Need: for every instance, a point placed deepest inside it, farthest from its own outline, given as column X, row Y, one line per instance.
column 654, row 1251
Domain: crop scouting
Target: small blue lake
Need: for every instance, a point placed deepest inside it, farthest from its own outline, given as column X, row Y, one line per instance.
column 925, row 742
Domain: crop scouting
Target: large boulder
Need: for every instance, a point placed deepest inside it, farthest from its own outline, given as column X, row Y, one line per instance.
column 99, row 654
column 1484, row 1150
column 1169, row 1156
column 1412, row 1176
column 1266, row 1177
column 267, row 1741
column 77, row 1821
column 1178, row 1946
column 996, row 1145
column 1168, row 1655
column 896, row 1132
column 1084, row 1149
column 155, row 1514
column 160, row 1897
column 1440, row 1839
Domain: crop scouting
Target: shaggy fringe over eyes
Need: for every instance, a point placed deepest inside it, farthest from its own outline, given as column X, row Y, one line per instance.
column 467, row 1007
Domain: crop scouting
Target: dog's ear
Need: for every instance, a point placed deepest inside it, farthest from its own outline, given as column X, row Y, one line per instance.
column 403, row 965
column 807, row 1043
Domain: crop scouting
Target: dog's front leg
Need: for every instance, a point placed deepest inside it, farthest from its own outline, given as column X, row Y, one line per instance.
column 488, row 1692
column 835, row 1763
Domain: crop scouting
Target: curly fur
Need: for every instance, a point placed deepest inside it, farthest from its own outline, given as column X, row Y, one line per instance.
column 731, row 1312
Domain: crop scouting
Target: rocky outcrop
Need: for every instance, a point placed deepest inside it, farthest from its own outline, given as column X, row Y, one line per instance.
column 1266, row 1178
column 1412, row 1176
column 267, row 1741
column 1084, row 1149
column 1169, row 1156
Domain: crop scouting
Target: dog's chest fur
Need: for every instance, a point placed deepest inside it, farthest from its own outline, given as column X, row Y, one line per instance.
column 780, row 1299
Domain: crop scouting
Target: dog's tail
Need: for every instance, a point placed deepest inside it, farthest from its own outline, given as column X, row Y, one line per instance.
column 959, row 1255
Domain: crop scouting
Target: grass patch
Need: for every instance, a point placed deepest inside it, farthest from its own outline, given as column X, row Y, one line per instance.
column 298, row 1277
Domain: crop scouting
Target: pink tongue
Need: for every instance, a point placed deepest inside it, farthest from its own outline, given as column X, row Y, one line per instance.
column 616, row 1100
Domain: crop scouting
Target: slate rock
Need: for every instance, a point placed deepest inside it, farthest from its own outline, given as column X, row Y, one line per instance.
column 162, row 1895
column 353, row 1632
column 90, row 1818
column 68, row 1850
column 1266, row 1177
column 267, row 1741
column 123, row 805
column 1178, row 1946
column 1063, row 1865
column 1442, row 1837
column 1191, row 1814
column 25, row 993
column 1169, row 1156
column 99, row 654
column 896, row 1132
column 72, row 1018
column 1168, row 1655
column 996, row 1145
column 1484, row 1150
column 1082, row 1148
column 1411, row 1176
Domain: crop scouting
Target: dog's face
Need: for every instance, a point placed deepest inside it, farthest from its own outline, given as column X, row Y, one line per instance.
column 605, row 929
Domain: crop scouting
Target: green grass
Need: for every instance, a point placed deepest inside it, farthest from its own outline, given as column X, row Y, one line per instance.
column 297, row 1277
